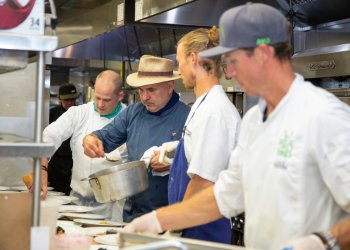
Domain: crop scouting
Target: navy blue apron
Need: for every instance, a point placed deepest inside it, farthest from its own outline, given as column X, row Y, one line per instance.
column 216, row 231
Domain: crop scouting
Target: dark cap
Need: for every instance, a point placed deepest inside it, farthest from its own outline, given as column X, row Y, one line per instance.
column 67, row 91
column 248, row 26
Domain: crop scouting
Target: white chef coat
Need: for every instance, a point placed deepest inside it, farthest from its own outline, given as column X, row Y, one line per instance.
column 211, row 134
column 291, row 173
column 77, row 122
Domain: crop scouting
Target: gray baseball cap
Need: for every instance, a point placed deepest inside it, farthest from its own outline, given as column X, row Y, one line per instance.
column 248, row 26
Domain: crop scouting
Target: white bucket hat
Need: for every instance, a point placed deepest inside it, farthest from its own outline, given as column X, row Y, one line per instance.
column 152, row 70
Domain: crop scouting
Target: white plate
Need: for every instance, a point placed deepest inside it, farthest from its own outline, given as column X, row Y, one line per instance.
column 82, row 216
column 97, row 247
column 54, row 193
column 49, row 188
column 103, row 223
column 62, row 199
column 98, row 231
column 74, row 209
column 19, row 188
column 2, row 188
column 109, row 239
column 70, row 228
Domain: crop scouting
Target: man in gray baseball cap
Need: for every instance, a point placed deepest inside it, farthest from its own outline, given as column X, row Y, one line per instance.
column 248, row 26
column 285, row 172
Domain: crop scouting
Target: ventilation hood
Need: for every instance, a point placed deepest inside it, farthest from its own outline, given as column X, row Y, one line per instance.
column 332, row 61
column 124, row 30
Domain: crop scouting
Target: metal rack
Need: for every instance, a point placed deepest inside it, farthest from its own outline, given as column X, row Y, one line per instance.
column 12, row 145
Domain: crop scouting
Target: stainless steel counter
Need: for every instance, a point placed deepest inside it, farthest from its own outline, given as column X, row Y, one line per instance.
column 130, row 241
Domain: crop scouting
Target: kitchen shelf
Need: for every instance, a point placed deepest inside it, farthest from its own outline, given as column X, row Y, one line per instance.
column 18, row 146
column 28, row 42
column 22, row 149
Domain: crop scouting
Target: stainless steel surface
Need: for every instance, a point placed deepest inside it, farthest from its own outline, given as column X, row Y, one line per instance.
column 18, row 146
column 119, row 182
column 321, row 44
column 39, row 108
column 111, row 159
column 38, row 43
column 28, row 42
column 79, row 20
column 323, row 62
column 202, row 13
column 160, row 26
column 103, row 30
column 147, row 8
column 13, row 59
column 131, row 239
column 172, row 244
column 342, row 93
column 314, row 12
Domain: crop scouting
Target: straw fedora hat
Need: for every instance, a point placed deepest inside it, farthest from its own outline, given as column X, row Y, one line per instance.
column 152, row 70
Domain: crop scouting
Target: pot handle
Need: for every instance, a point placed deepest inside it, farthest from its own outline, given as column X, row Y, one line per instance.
column 86, row 179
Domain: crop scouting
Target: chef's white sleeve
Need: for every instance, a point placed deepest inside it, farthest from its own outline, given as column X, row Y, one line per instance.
column 228, row 188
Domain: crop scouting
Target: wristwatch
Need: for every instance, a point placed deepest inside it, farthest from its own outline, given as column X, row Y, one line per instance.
column 328, row 239
column 331, row 240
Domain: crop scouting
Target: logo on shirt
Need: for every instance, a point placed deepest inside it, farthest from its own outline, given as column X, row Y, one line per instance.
column 176, row 135
column 284, row 151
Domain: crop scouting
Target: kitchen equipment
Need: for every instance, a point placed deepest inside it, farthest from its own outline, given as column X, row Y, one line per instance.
column 119, row 182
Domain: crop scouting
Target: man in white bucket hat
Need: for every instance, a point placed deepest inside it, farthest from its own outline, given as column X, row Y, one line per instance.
column 157, row 119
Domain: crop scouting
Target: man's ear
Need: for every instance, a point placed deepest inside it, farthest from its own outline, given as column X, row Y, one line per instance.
column 265, row 51
column 121, row 95
column 194, row 58
column 171, row 85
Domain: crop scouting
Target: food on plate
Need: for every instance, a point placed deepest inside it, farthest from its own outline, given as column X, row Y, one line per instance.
column 59, row 230
column 109, row 231
column 28, row 179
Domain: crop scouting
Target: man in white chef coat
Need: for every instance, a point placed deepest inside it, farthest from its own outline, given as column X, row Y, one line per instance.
column 79, row 121
column 290, row 171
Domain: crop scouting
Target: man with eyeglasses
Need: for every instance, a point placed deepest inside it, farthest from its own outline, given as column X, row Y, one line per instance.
column 157, row 119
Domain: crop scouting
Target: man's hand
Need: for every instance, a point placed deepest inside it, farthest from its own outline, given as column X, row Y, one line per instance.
column 155, row 165
column 167, row 152
column 93, row 146
column 147, row 223
column 28, row 179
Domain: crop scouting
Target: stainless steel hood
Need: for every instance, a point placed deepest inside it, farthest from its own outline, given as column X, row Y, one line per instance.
column 321, row 36
column 332, row 61
column 124, row 30
column 109, row 33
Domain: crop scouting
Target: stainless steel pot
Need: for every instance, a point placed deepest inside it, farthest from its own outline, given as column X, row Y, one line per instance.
column 119, row 182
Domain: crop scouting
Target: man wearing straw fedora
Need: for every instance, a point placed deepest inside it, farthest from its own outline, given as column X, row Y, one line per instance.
column 157, row 119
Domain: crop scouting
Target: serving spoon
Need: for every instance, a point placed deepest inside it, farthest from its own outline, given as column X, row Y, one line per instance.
column 111, row 159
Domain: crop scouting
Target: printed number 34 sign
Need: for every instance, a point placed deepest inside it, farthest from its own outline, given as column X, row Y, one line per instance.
column 22, row 16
